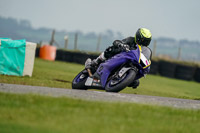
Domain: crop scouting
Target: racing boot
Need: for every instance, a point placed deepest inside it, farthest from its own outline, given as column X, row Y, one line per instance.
column 95, row 63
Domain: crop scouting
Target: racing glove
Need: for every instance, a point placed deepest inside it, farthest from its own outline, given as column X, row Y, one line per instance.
column 119, row 44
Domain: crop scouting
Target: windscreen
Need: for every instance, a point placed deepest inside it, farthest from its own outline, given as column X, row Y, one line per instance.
column 147, row 52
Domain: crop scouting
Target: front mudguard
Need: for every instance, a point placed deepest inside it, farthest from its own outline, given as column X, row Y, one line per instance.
column 126, row 79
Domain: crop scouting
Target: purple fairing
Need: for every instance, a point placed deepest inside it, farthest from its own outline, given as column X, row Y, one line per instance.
column 132, row 56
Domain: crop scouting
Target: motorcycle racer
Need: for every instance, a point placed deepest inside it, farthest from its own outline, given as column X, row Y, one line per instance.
column 142, row 38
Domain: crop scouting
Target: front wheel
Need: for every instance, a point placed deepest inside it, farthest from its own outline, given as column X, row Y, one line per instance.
column 79, row 81
column 116, row 84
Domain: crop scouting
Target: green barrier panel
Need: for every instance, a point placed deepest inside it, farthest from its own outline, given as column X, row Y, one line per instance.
column 12, row 57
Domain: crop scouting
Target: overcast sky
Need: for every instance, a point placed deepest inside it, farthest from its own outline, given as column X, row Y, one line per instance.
column 179, row 19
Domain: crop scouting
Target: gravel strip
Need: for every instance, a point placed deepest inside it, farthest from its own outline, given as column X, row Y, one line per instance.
column 100, row 96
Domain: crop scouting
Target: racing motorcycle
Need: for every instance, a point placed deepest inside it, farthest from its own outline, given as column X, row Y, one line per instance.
column 125, row 68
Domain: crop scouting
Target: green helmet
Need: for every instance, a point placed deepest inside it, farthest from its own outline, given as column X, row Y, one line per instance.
column 143, row 37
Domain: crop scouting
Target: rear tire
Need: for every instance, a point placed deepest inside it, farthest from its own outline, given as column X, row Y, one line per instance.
column 79, row 82
column 127, row 79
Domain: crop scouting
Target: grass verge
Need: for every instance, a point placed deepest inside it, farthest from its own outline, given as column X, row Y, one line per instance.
column 33, row 113
column 60, row 74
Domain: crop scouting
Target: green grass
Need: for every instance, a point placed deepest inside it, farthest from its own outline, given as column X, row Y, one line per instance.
column 33, row 113
column 47, row 73
column 60, row 74
column 166, row 87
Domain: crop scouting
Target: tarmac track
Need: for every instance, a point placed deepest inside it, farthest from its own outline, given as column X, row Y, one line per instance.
column 100, row 96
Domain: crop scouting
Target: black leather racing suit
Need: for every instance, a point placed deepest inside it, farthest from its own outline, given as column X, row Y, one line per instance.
column 116, row 48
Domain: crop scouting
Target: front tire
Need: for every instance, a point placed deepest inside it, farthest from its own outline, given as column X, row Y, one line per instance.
column 116, row 84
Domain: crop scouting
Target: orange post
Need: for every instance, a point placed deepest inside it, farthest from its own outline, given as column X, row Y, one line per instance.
column 48, row 52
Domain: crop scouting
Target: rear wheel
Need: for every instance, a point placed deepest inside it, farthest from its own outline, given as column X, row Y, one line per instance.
column 116, row 83
column 79, row 81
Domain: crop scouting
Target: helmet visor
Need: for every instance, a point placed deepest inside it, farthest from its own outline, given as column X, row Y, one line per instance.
column 145, row 41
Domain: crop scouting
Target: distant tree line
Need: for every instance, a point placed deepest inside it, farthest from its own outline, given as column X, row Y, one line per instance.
column 22, row 29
